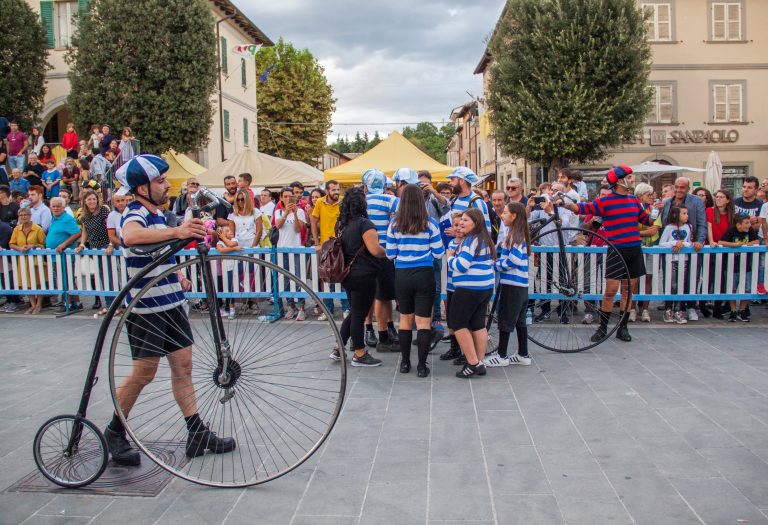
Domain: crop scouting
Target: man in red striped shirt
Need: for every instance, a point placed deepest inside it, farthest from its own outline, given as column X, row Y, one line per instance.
column 621, row 213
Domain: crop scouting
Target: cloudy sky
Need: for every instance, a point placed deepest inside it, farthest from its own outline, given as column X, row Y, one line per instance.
column 392, row 61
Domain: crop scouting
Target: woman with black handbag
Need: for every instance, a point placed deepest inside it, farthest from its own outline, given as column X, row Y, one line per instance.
column 360, row 244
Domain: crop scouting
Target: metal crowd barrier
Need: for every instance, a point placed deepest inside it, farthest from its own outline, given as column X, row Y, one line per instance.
column 712, row 273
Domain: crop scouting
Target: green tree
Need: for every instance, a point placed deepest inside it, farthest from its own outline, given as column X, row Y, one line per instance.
column 374, row 141
column 149, row 65
column 295, row 103
column 23, row 62
column 430, row 139
column 569, row 78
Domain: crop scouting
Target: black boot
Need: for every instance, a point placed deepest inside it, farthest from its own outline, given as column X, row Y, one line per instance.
column 602, row 331
column 122, row 452
column 623, row 333
column 205, row 439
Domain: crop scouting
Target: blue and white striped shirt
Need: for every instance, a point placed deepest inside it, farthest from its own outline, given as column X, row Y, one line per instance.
column 381, row 208
column 472, row 266
column 167, row 293
column 462, row 203
column 449, row 287
column 512, row 265
column 414, row 251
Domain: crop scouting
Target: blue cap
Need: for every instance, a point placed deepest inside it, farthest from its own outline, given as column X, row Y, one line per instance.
column 406, row 175
column 375, row 180
column 462, row 172
column 141, row 169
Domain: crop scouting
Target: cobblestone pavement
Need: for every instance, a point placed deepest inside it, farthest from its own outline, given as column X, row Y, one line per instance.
column 669, row 429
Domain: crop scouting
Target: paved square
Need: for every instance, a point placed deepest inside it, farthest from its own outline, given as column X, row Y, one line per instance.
column 668, row 429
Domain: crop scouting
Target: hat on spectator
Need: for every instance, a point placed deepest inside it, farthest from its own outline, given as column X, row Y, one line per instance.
column 462, row 172
column 91, row 185
column 616, row 174
column 375, row 181
column 140, row 170
column 406, row 175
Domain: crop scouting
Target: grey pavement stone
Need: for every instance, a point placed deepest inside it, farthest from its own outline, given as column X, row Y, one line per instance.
column 650, row 432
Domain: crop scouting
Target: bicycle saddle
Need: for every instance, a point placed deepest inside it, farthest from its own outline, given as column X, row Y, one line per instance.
column 154, row 249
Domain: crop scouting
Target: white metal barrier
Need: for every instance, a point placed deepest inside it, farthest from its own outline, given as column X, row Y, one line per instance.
column 712, row 273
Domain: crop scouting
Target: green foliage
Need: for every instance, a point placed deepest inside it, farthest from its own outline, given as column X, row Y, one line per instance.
column 149, row 65
column 295, row 92
column 360, row 144
column 569, row 78
column 430, row 139
column 23, row 62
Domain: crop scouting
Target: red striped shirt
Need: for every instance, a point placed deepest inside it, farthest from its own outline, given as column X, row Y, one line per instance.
column 621, row 215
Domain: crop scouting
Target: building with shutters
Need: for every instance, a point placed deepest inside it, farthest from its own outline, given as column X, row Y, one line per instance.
column 709, row 73
column 234, row 120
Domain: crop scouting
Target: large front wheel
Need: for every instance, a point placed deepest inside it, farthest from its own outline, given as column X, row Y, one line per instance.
column 572, row 282
column 277, row 395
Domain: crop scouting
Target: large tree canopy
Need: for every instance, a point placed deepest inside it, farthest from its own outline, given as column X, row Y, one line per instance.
column 569, row 78
column 149, row 65
column 23, row 62
column 295, row 103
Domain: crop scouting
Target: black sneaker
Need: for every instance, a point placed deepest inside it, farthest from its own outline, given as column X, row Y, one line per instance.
column 460, row 361
column 437, row 336
column 205, row 439
column 733, row 317
column 543, row 316
column 96, row 304
column 564, row 319
column 366, row 360
column 370, row 339
column 387, row 346
column 405, row 367
column 393, row 336
column 705, row 310
column 422, row 370
column 599, row 335
column 335, row 355
column 743, row 316
column 452, row 353
column 481, row 370
column 467, row 371
column 446, row 338
column 622, row 334
column 122, row 452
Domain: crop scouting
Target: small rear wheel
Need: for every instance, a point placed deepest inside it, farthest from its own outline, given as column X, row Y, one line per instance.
column 70, row 451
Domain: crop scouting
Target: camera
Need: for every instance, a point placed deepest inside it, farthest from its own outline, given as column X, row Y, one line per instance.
column 540, row 200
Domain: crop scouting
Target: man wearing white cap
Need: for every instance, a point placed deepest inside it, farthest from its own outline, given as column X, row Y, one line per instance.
column 461, row 180
column 159, row 327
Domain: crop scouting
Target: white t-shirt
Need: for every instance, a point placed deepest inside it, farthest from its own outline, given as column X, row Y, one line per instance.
column 229, row 263
column 289, row 237
column 268, row 208
column 69, row 210
column 114, row 219
column 764, row 216
column 245, row 227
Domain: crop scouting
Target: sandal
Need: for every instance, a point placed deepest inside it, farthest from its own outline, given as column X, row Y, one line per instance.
column 103, row 311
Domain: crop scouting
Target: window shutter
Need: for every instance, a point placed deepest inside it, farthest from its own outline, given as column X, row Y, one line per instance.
column 245, row 131
column 223, row 46
column 734, row 103
column 650, row 22
column 734, row 21
column 46, row 15
column 653, row 116
column 243, row 73
column 718, row 21
column 665, row 104
column 226, row 124
column 82, row 5
column 720, row 105
column 664, row 22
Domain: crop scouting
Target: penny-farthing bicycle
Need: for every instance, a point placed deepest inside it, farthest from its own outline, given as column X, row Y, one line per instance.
column 269, row 385
column 570, row 266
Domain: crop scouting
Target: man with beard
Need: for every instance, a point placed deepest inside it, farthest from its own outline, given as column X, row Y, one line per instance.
column 461, row 180
column 323, row 223
column 160, row 326
column 230, row 189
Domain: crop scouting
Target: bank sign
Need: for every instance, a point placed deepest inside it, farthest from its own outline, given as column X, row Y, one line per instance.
column 658, row 137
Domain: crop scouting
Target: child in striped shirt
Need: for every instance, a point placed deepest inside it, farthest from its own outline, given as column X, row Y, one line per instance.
column 512, row 265
column 473, row 277
column 454, row 352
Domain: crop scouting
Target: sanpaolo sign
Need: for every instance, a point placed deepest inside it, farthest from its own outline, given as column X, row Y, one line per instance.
column 715, row 136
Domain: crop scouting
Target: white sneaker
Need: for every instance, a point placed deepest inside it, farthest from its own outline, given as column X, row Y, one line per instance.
column 232, row 313
column 645, row 317
column 322, row 317
column 680, row 318
column 669, row 317
column 290, row 313
column 301, row 316
column 344, row 314
column 588, row 319
column 494, row 359
column 633, row 316
column 515, row 359
column 316, row 310
column 692, row 315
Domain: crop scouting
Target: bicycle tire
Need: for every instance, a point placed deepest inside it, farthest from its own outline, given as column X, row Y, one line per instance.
column 278, row 380
column 553, row 334
column 84, row 466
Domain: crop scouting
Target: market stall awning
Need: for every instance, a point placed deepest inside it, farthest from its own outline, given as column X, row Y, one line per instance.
column 181, row 168
column 267, row 171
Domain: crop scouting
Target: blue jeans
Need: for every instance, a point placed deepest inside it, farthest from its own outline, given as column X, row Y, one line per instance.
column 3, row 176
column 344, row 303
column 16, row 161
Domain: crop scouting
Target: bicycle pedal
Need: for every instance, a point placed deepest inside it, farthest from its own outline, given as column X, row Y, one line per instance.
column 227, row 396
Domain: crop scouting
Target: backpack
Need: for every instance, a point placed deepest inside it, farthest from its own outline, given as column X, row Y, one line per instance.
column 331, row 267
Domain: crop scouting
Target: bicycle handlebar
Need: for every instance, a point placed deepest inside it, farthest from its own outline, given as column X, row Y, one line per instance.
column 214, row 200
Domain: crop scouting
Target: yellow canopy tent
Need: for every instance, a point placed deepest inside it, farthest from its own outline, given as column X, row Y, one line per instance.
column 391, row 153
column 181, row 168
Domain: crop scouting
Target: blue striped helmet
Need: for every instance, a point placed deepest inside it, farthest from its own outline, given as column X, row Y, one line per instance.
column 141, row 169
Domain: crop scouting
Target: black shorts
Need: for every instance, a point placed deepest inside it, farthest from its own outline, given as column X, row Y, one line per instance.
column 158, row 334
column 385, row 281
column 634, row 259
column 415, row 290
column 513, row 301
column 469, row 309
